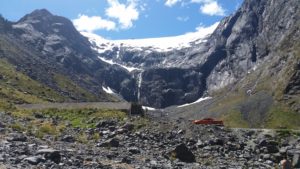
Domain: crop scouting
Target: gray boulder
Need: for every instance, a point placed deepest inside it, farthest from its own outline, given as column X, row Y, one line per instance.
column 183, row 153
column 50, row 154
column 17, row 137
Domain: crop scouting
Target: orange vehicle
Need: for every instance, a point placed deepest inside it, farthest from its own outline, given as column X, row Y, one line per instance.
column 209, row 121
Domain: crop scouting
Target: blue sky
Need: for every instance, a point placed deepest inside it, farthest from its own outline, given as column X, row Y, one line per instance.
column 129, row 19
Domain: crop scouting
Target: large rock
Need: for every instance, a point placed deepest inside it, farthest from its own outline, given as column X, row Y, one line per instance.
column 114, row 142
column 183, row 153
column 270, row 145
column 106, row 123
column 296, row 161
column 17, row 137
column 50, row 154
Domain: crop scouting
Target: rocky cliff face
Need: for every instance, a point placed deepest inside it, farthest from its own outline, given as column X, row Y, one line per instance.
column 250, row 36
column 241, row 44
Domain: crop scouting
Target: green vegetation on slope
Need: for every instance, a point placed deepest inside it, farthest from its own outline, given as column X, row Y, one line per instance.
column 15, row 87
column 82, row 118
column 57, row 122
column 27, row 77
column 74, row 91
column 282, row 117
column 268, row 106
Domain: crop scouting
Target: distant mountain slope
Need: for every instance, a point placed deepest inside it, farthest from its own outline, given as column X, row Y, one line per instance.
column 48, row 49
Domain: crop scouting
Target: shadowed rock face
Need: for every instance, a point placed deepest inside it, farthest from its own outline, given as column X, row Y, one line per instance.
column 294, row 84
column 164, row 87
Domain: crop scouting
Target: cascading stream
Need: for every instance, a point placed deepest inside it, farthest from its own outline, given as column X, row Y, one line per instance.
column 140, row 79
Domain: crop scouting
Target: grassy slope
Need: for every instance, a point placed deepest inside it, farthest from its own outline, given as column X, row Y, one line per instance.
column 15, row 87
column 73, row 90
column 56, row 123
column 82, row 118
column 279, row 114
column 59, row 122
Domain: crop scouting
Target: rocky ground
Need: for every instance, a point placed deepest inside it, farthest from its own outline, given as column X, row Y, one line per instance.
column 157, row 144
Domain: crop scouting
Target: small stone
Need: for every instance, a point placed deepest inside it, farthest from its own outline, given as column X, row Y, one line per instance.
column 68, row 138
column 283, row 150
column 219, row 142
column 207, row 148
column 106, row 123
column 269, row 162
column 126, row 160
column 200, row 144
column 2, row 125
column 152, row 162
column 266, row 156
column 134, row 150
column 128, row 126
column 34, row 160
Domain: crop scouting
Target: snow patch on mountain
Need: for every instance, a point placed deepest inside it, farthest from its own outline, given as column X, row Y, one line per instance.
column 162, row 44
column 108, row 90
column 197, row 101
column 148, row 108
column 111, row 62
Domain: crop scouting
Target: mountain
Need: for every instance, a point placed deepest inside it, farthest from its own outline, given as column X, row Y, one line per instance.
column 249, row 66
column 49, row 50
column 240, row 44
column 244, row 69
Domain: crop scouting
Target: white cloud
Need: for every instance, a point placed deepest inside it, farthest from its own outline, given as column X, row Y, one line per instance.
column 171, row 3
column 208, row 7
column 182, row 18
column 93, row 23
column 207, row 29
column 212, row 8
column 201, row 1
column 124, row 13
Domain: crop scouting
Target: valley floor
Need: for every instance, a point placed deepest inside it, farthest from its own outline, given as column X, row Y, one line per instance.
column 66, row 139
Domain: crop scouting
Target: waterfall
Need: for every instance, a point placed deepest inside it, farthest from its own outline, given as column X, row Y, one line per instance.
column 118, row 52
column 140, row 79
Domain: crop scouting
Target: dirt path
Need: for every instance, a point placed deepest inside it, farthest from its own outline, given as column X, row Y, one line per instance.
column 100, row 105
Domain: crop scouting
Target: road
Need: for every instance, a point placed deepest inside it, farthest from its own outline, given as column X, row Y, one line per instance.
column 98, row 105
